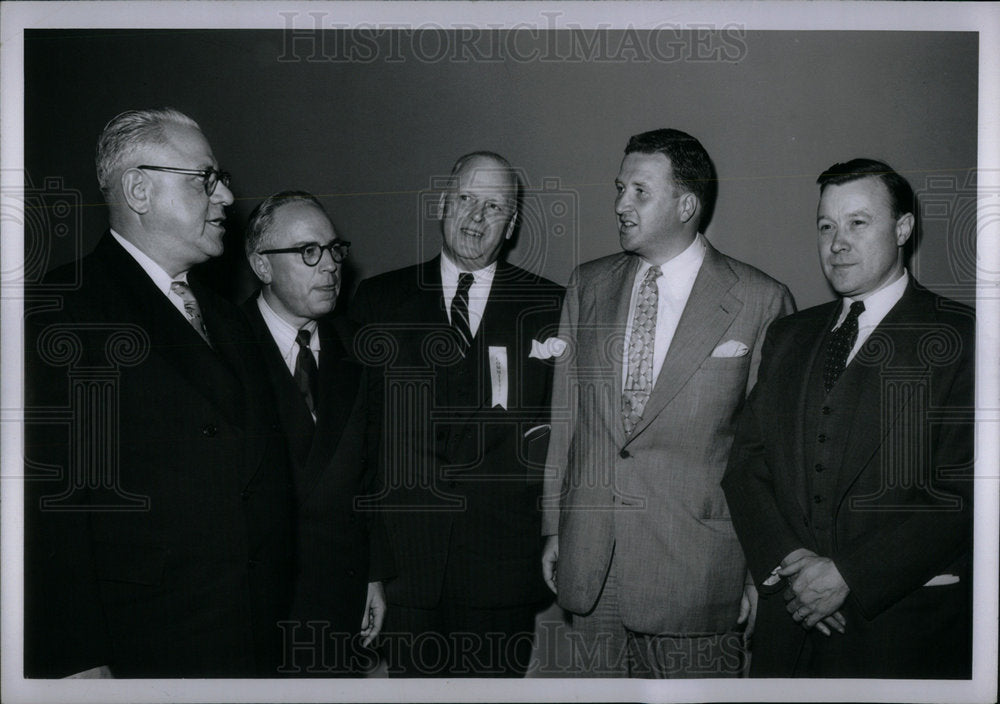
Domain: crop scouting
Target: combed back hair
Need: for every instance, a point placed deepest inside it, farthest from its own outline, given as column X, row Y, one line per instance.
column 259, row 235
column 693, row 168
column 900, row 192
column 128, row 133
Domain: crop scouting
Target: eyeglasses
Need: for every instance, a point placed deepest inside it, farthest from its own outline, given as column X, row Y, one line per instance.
column 311, row 253
column 209, row 177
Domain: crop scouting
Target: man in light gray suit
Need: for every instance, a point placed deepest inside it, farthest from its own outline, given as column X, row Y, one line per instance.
column 663, row 343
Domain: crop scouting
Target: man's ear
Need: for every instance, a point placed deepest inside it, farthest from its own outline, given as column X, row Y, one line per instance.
column 261, row 267
column 904, row 228
column 135, row 190
column 510, row 226
column 689, row 206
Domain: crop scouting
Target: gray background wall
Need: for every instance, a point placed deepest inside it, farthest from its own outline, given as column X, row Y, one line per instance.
column 368, row 121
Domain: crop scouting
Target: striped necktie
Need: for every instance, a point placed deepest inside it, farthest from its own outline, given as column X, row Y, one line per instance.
column 460, row 310
column 639, row 382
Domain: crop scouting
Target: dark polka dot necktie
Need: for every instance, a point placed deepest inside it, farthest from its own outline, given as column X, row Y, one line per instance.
column 839, row 346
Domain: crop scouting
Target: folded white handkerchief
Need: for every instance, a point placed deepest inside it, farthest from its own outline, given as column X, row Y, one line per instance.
column 942, row 580
column 730, row 348
column 552, row 347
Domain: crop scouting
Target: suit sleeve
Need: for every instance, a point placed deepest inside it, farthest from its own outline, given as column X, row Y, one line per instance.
column 902, row 556
column 381, row 563
column 562, row 412
column 781, row 304
column 749, row 483
column 65, row 631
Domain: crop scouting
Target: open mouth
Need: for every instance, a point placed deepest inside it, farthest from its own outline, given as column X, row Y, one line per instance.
column 218, row 222
column 471, row 233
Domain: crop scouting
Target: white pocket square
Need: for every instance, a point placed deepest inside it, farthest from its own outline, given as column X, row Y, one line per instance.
column 552, row 347
column 730, row 348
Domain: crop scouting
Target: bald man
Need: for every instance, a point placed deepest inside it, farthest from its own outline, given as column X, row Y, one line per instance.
column 464, row 409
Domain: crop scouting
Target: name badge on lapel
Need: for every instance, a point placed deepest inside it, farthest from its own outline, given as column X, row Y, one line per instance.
column 498, row 375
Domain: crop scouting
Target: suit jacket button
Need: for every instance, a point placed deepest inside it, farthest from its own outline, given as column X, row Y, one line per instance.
column 819, row 467
column 624, row 454
column 209, row 431
column 245, row 495
column 826, row 410
column 351, row 573
column 817, row 499
column 251, row 564
column 822, row 437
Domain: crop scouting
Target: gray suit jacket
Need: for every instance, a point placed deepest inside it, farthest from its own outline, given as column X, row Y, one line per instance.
column 654, row 497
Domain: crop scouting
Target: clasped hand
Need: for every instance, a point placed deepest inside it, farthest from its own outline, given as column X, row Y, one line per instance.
column 816, row 591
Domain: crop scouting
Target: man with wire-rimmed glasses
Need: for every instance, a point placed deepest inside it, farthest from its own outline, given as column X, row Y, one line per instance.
column 158, row 541
column 293, row 249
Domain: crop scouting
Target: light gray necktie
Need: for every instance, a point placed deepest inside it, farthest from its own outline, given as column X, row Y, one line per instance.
column 639, row 382
column 183, row 291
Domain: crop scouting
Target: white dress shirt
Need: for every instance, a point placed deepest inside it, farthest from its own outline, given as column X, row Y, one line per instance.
column 674, row 289
column 478, row 293
column 877, row 306
column 157, row 273
column 284, row 334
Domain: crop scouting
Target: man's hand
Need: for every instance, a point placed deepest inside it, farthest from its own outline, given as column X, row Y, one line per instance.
column 550, row 559
column 371, row 622
column 748, row 611
column 816, row 591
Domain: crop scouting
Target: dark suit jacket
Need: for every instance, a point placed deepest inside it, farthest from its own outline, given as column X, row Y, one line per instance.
column 157, row 515
column 460, row 475
column 331, row 472
column 902, row 499
column 652, row 498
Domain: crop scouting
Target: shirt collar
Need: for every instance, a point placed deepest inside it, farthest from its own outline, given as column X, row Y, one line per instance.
column 153, row 270
column 282, row 331
column 878, row 304
column 450, row 272
column 686, row 262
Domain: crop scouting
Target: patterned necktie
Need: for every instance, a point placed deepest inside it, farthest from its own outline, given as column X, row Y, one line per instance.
column 183, row 291
column 639, row 383
column 460, row 310
column 306, row 373
column 839, row 346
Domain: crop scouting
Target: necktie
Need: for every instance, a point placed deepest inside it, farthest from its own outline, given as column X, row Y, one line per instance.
column 306, row 373
column 639, row 382
column 460, row 310
column 183, row 291
column 839, row 345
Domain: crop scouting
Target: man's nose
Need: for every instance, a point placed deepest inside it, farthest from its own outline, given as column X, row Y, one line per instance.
column 839, row 242
column 222, row 194
column 621, row 203
column 326, row 260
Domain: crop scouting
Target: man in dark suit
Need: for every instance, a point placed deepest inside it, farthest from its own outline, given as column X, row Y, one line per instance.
column 850, row 481
column 157, row 516
column 293, row 249
column 464, row 394
column 663, row 345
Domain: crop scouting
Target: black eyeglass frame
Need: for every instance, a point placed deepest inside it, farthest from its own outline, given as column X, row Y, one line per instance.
column 210, row 177
column 333, row 246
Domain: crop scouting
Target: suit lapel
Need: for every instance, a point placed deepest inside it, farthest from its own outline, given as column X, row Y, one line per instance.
column 808, row 346
column 611, row 323
column 339, row 379
column 876, row 414
column 292, row 410
column 710, row 310
column 172, row 337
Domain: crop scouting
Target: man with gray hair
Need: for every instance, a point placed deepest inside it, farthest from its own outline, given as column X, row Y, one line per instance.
column 464, row 408
column 158, row 542
column 319, row 386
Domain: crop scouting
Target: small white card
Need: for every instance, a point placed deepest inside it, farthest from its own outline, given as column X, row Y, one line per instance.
column 498, row 375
